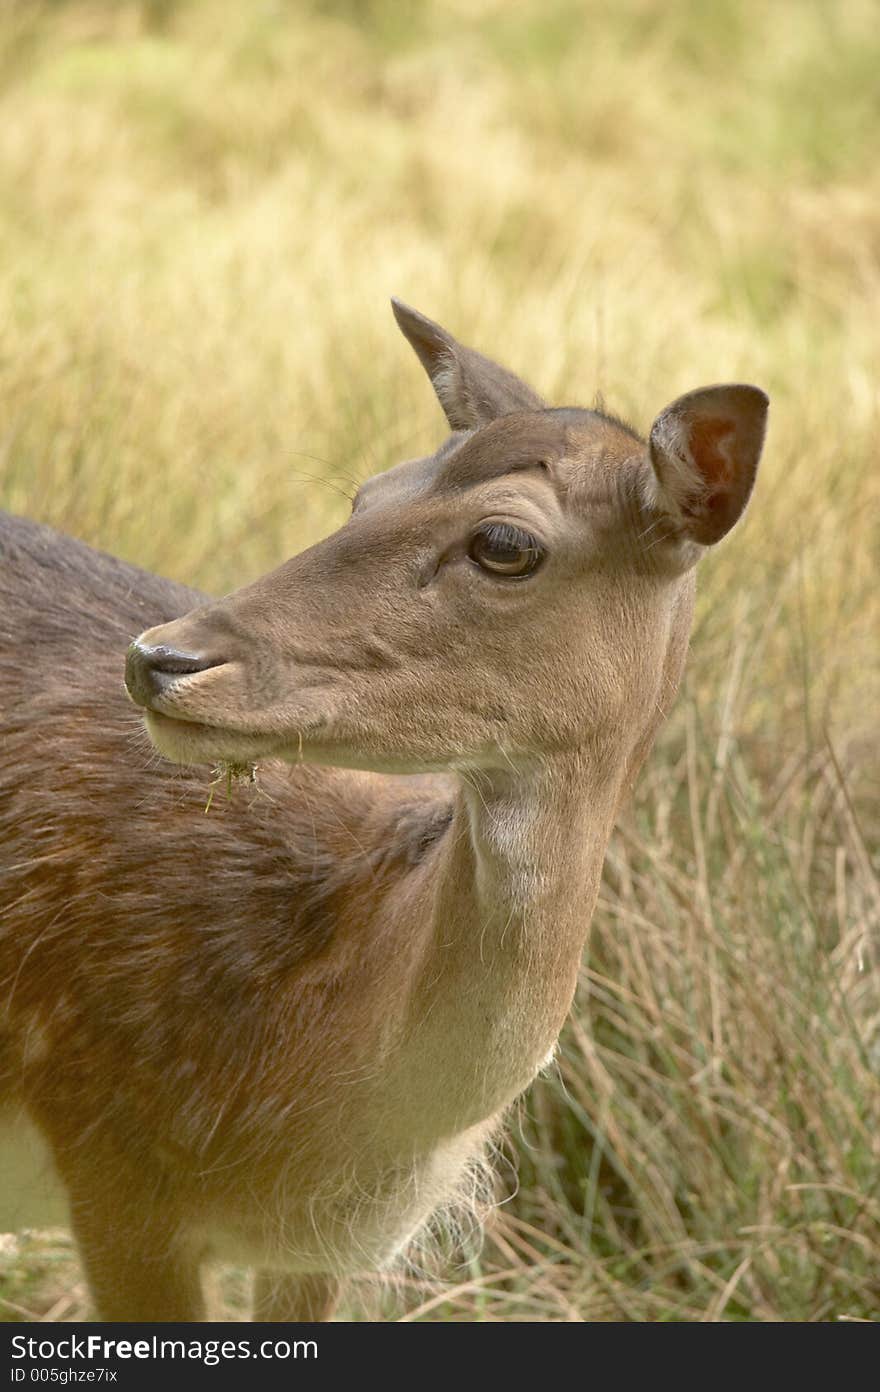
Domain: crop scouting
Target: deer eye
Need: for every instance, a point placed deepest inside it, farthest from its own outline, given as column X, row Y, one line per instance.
column 505, row 550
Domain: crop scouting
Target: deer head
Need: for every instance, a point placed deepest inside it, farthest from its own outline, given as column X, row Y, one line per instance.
column 525, row 589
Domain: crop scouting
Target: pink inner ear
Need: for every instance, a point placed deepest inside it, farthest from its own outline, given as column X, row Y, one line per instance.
column 712, row 458
column 705, row 449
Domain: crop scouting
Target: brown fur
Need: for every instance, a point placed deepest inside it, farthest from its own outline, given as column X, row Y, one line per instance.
column 281, row 1031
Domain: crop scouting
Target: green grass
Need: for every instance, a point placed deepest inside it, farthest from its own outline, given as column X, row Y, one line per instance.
column 203, row 210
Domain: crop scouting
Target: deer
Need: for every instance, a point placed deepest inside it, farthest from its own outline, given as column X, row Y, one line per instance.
column 283, row 1033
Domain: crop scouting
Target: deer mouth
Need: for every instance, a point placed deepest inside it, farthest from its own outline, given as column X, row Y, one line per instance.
column 181, row 696
column 170, row 688
column 184, row 740
column 153, row 672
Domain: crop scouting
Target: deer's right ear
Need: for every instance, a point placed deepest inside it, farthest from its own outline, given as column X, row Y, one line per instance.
column 704, row 451
column 472, row 389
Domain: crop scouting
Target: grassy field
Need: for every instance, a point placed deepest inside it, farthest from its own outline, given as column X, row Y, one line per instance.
column 203, row 210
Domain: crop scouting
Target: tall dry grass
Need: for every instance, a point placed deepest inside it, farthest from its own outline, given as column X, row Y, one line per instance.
column 203, row 209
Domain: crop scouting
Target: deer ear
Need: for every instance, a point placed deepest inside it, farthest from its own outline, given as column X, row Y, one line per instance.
column 472, row 389
column 704, row 450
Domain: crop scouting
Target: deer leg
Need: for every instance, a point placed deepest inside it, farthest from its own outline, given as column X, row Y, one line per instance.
column 138, row 1266
column 281, row 1298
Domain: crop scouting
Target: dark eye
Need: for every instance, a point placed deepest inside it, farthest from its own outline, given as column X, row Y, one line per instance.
column 505, row 550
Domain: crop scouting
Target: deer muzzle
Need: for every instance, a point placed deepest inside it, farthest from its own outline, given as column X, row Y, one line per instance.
column 153, row 671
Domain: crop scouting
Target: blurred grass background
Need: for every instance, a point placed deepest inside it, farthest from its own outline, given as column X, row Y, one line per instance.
column 203, row 210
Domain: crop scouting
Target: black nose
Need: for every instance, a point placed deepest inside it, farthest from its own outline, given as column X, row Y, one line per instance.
column 151, row 671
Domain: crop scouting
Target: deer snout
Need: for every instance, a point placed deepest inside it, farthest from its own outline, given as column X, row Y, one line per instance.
column 151, row 671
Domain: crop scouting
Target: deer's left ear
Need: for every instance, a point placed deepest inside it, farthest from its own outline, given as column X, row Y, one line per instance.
column 704, row 450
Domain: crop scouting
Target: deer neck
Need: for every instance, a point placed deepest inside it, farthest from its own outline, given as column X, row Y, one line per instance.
column 511, row 897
